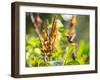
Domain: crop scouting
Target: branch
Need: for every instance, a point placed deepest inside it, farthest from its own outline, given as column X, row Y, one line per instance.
column 35, row 26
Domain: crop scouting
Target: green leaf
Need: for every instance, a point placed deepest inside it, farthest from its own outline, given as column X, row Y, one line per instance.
column 73, row 63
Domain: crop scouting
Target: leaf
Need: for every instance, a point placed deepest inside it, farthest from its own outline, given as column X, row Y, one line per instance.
column 37, row 52
column 80, row 48
column 73, row 63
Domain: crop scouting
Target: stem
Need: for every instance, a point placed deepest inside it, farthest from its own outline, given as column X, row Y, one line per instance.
column 36, row 29
column 47, row 58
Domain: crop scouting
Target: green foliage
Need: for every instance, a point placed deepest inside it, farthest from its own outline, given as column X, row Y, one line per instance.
column 34, row 53
column 73, row 63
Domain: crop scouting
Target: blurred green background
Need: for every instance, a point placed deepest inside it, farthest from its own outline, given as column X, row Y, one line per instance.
column 63, row 51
